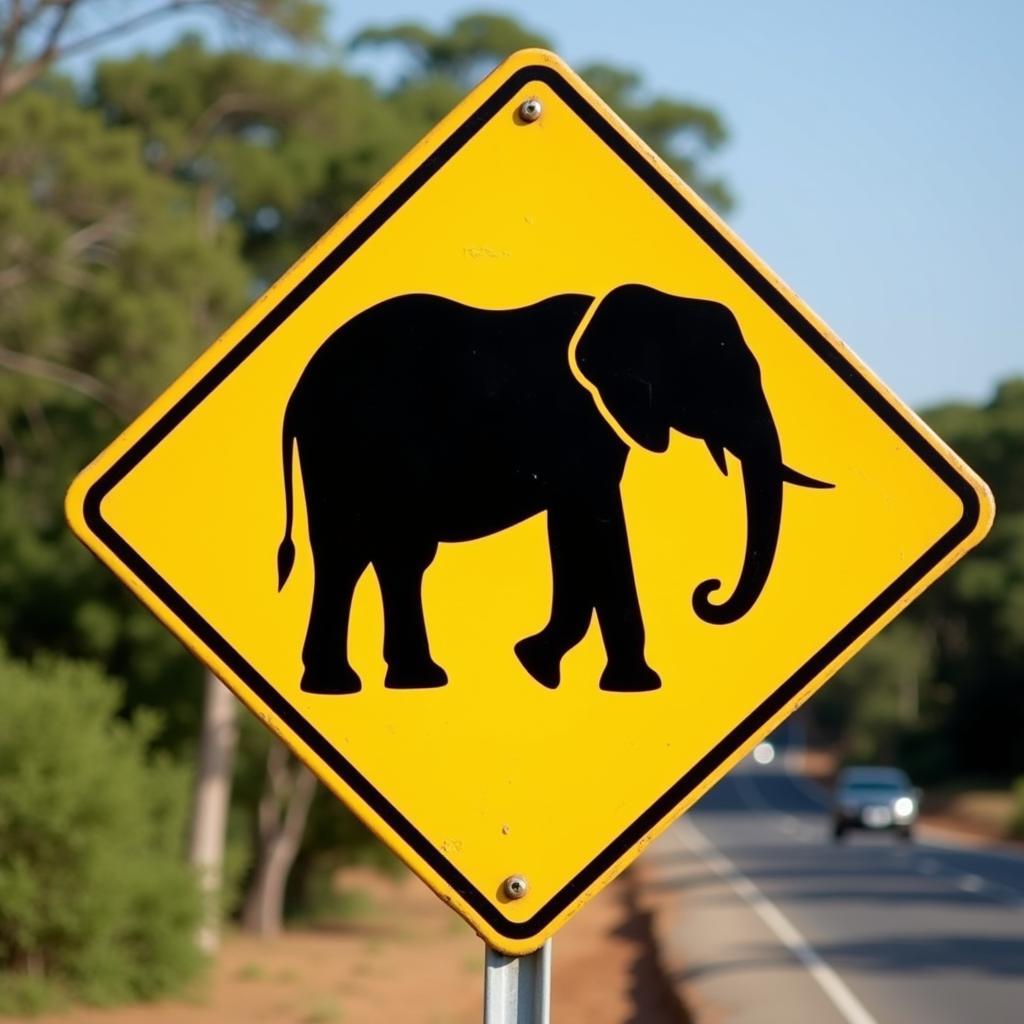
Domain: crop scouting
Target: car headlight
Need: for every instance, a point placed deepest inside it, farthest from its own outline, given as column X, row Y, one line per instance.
column 903, row 807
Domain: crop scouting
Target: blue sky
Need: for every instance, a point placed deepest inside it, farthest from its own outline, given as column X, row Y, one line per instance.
column 877, row 154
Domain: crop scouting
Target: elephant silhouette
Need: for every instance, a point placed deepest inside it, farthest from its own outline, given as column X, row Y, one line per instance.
column 422, row 420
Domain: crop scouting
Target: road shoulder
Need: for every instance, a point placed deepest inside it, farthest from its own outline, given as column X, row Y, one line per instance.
column 724, row 962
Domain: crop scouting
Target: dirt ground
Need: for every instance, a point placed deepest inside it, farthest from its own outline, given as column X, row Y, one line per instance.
column 407, row 959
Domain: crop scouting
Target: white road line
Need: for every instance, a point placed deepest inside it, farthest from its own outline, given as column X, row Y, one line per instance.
column 848, row 1005
column 790, row 825
column 1001, row 893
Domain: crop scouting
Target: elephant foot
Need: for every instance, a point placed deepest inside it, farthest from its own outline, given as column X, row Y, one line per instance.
column 635, row 678
column 426, row 676
column 335, row 680
column 535, row 656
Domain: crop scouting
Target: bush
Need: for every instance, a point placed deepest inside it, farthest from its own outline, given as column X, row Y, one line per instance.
column 1017, row 815
column 96, row 903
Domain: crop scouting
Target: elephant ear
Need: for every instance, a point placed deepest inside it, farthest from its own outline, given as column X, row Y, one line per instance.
column 618, row 354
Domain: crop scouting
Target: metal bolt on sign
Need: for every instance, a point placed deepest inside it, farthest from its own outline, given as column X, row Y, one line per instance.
column 517, row 989
column 515, row 887
column 531, row 109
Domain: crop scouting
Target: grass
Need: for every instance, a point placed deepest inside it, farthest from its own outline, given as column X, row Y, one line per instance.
column 324, row 1010
column 988, row 807
column 251, row 972
column 1015, row 828
column 339, row 907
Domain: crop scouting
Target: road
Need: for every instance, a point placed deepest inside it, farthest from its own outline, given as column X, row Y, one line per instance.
column 776, row 923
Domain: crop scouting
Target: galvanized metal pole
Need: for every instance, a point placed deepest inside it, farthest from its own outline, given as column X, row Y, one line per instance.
column 517, row 989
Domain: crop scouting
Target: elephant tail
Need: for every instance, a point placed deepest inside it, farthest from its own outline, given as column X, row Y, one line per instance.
column 286, row 552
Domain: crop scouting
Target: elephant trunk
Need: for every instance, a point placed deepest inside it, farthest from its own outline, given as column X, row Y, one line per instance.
column 763, row 477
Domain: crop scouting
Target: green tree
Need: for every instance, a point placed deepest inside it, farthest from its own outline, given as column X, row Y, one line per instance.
column 36, row 34
column 959, row 649
column 977, row 612
column 95, row 901
column 107, row 292
column 458, row 56
column 275, row 149
column 113, row 277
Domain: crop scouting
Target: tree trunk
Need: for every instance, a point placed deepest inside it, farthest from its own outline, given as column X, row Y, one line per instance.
column 288, row 791
column 218, row 738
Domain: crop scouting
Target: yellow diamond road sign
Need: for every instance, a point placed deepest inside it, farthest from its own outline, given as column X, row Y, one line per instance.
column 526, row 503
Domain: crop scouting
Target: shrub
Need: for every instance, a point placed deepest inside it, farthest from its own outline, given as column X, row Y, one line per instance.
column 96, row 902
column 1017, row 814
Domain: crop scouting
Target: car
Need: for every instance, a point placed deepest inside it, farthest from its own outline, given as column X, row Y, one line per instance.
column 874, row 798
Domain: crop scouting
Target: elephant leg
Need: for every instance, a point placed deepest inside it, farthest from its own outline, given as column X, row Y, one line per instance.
column 571, row 600
column 406, row 648
column 325, row 653
column 616, row 601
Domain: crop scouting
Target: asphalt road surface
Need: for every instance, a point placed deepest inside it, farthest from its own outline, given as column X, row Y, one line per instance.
column 778, row 923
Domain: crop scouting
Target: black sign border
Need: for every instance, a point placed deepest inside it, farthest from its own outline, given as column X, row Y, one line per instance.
column 753, row 277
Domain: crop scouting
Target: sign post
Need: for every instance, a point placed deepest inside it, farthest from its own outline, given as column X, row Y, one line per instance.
column 517, row 989
column 525, row 504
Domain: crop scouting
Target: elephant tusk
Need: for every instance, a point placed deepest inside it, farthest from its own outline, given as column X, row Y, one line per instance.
column 791, row 476
column 718, row 454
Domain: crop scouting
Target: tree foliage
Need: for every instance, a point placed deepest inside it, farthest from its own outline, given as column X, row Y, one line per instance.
column 104, row 270
column 457, row 56
column 960, row 648
column 277, row 149
column 95, row 901
column 108, row 291
column 36, row 34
